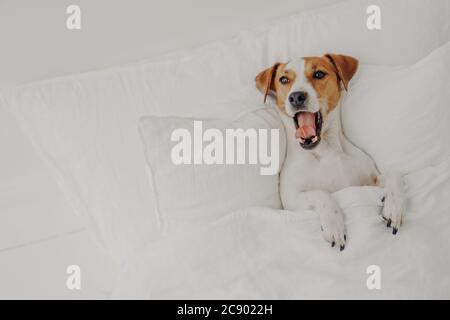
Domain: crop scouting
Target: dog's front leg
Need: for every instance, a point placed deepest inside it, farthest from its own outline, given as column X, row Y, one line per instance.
column 330, row 215
column 395, row 199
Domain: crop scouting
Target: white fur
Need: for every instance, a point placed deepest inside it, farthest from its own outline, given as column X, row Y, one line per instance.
column 308, row 177
column 301, row 84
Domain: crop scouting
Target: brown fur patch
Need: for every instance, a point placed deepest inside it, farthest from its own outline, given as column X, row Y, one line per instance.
column 282, row 90
column 344, row 66
column 264, row 80
column 326, row 88
column 376, row 180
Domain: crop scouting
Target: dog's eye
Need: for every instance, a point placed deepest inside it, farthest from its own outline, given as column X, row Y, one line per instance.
column 319, row 74
column 284, row 80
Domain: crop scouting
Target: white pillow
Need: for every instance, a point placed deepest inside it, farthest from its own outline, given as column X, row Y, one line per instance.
column 85, row 126
column 401, row 116
column 188, row 194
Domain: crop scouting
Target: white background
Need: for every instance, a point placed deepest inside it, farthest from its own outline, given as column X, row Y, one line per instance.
column 35, row 43
column 39, row 235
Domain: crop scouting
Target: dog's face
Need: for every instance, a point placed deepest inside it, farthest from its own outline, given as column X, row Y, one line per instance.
column 308, row 90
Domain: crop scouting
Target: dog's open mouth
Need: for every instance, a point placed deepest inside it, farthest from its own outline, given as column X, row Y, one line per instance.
column 308, row 126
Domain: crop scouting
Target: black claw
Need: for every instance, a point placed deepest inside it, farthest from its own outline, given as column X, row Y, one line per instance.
column 389, row 223
column 332, row 244
column 384, row 218
column 342, row 247
column 345, row 237
column 382, row 200
column 394, row 231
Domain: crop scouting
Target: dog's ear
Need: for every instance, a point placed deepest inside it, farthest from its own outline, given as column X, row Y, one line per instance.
column 345, row 67
column 265, row 80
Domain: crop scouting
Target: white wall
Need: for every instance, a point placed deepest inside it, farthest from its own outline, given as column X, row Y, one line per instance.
column 35, row 43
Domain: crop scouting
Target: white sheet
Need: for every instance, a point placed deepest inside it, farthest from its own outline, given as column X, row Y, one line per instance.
column 38, row 270
column 264, row 253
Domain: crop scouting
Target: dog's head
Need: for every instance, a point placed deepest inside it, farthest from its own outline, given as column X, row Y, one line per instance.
column 308, row 90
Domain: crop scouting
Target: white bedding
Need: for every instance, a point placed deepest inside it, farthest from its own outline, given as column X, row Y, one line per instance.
column 251, row 253
column 85, row 126
column 38, row 270
column 265, row 253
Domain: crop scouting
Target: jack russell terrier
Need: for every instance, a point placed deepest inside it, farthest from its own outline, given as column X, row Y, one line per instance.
column 320, row 159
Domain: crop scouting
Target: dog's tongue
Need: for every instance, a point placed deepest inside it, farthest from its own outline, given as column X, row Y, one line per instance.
column 306, row 125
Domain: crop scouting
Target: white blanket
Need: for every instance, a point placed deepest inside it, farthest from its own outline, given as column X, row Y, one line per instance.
column 260, row 253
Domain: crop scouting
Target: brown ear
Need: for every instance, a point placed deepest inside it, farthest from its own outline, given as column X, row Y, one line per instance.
column 345, row 67
column 265, row 80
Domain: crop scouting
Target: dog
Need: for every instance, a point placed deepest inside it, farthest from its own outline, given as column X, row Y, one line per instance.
column 319, row 158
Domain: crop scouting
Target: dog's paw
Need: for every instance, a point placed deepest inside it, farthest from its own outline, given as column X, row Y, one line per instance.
column 394, row 200
column 333, row 228
column 393, row 212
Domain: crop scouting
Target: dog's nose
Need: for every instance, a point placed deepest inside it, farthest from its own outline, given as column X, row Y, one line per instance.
column 298, row 98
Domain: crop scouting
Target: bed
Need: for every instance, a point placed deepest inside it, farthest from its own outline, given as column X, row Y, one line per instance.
column 41, row 235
